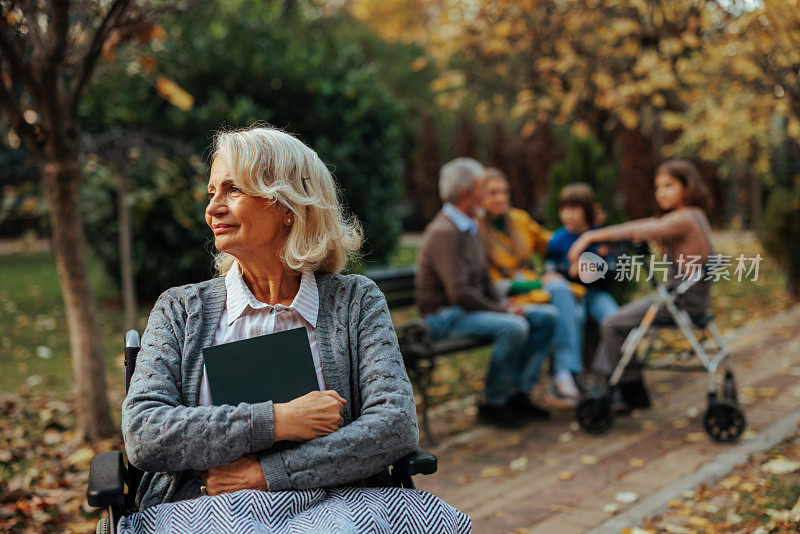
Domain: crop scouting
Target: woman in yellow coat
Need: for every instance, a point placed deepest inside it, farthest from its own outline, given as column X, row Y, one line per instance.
column 511, row 237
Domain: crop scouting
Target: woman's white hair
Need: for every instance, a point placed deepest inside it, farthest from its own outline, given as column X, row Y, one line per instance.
column 270, row 163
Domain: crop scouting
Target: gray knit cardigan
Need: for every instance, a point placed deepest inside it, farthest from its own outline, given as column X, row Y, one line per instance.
column 168, row 435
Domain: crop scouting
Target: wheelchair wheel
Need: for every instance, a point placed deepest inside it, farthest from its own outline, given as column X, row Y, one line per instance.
column 729, row 387
column 595, row 415
column 724, row 421
column 103, row 526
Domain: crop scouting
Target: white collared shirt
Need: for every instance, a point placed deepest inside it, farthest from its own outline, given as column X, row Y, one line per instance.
column 245, row 316
column 463, row 222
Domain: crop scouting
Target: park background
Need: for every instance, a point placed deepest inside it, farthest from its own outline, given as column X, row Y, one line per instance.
column 108, row 110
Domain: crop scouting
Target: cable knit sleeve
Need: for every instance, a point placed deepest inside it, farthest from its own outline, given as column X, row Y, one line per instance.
column 386, row 428
column 161, row 433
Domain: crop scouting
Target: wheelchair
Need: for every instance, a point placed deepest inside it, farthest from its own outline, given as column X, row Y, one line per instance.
column 110, row 476
column 724, row 420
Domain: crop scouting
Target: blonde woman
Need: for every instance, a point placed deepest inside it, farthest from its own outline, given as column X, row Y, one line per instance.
column 282, row 239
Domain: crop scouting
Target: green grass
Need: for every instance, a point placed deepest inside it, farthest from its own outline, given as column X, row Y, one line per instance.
column 34, row 346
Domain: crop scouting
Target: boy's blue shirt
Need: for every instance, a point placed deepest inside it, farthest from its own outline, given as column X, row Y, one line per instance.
column 560, row 243
column 558, row 247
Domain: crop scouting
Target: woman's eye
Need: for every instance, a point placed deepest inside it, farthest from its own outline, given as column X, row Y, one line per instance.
column 235, row 190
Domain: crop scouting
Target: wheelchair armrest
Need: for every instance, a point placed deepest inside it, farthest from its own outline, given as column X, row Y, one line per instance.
column 106, row 480
column 419, row 462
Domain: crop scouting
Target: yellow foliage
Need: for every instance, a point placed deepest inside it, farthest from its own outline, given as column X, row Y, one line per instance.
column 671, row 120
column 173, row 93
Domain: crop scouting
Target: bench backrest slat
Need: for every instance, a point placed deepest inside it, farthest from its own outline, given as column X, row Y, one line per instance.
column 396, row 284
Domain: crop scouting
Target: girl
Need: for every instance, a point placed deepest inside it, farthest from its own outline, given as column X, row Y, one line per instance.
column 684, row 231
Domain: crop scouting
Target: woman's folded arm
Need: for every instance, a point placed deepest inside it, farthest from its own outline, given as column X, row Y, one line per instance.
column 163, row 435
column 386, row 429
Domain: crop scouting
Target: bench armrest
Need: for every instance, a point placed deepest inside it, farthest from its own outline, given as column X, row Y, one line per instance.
column 106, row 480
column 419, row 462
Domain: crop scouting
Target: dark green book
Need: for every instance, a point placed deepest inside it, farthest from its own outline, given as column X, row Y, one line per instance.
column 276, row 367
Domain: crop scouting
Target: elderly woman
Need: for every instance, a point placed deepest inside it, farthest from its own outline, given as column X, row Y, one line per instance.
column 282, row 239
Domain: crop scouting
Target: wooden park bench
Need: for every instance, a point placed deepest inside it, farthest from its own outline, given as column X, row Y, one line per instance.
column 419, row 351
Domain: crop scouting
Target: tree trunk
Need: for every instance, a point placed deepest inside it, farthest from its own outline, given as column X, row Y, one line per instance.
column 465, row 144
column 637, row 166
column 62, row 186
column 125, row 255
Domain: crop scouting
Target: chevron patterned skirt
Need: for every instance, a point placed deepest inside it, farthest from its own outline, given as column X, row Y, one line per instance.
column 329, row 510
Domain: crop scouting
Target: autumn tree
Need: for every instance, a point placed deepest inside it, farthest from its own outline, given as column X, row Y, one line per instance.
column 49, row 52
column 622, row 69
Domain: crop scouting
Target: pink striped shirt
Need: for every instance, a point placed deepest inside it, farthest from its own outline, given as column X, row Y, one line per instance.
column 245, row 316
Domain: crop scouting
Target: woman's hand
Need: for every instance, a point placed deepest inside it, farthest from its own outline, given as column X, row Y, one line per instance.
column 311, row 416
column 244, row 473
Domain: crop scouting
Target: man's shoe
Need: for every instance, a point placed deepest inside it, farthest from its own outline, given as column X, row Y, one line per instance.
column 502, row 416
column 635, row 395
column 521, row 403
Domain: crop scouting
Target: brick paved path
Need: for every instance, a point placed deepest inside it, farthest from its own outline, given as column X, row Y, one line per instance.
column 552, row 477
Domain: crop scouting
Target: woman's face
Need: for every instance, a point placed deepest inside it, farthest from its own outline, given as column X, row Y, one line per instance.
column 243, row 225
column 670, row 193
column 496, row 197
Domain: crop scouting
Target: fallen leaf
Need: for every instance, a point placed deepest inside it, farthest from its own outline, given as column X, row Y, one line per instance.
column 780, row 466
column 494, row 471
column 761, row 392
column 520, row 464
column 648, row 425
column 565, row 437
column 680, row 423
column 566, row 475
column 552, row 462
column 747, row 487
column 610, row 507
column 701, row 522
column 731, row 482
column 588, row 459
column 81, row 458
column 637, row 462
column 626, row 497
column 694, row 437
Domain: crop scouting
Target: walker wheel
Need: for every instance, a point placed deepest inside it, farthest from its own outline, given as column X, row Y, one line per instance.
column 729, row 387
column 724, row 421
column 594, row 414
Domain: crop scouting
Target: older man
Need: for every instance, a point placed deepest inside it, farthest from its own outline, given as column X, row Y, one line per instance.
column 457, row 298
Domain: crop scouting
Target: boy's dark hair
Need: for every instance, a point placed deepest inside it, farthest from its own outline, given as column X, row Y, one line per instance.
column 579, row 195
column 687, row 174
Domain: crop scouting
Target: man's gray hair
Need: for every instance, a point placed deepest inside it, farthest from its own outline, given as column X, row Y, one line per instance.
column 457, row 176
